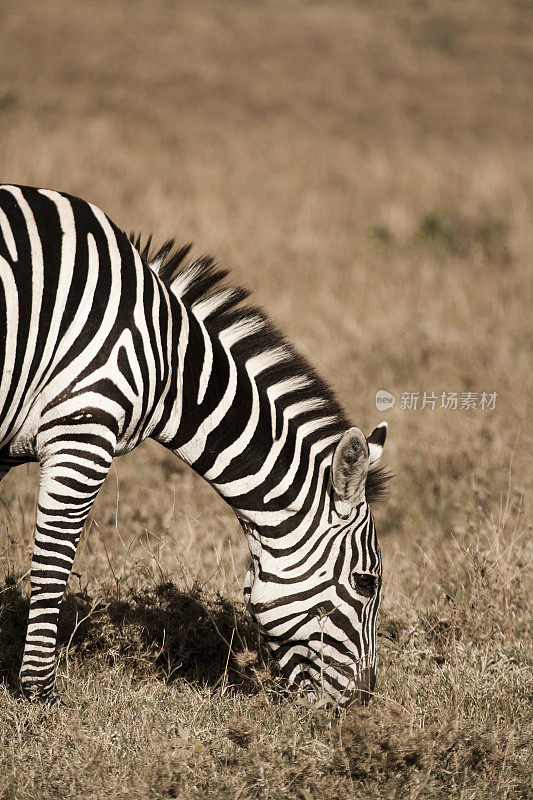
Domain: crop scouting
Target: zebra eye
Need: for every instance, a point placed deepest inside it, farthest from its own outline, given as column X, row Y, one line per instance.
column 363, row 583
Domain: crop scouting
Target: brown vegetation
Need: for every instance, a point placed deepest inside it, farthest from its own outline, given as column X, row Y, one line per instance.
column 365, row 168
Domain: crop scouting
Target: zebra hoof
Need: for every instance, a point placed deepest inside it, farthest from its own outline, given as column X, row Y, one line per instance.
column 39, row 694
column 48, row 699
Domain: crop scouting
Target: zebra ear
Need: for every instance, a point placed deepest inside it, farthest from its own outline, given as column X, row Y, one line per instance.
column 375, row 442
column 350, row 465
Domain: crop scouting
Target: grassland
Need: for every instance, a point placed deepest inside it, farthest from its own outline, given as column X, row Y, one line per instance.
column 367, row 169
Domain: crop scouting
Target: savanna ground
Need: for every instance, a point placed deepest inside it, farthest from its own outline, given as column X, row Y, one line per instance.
column 367, row 169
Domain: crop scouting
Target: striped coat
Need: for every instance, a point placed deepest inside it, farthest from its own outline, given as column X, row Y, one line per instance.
column 104, row 344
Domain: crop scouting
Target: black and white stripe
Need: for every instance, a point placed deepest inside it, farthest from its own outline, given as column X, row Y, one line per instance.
column 103, row 345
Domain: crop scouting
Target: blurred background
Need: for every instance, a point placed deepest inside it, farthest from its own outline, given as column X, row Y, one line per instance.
column 366, row 168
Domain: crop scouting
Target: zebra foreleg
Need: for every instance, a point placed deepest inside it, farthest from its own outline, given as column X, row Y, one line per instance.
column 70, row 481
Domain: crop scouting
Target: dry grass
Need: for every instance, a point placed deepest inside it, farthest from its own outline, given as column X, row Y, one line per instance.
column 367, row 169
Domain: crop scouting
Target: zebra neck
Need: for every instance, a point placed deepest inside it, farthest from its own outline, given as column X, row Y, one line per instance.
column 252, row 419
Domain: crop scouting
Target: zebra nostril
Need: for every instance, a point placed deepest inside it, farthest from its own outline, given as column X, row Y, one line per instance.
column 364, row 685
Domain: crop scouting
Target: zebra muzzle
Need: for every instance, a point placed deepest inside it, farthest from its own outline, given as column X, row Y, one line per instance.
column 364, row 685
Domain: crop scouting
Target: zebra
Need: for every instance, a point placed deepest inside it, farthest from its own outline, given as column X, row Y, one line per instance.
column 107, row 341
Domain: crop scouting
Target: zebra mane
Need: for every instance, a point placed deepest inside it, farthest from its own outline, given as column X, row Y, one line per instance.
column 201, row 286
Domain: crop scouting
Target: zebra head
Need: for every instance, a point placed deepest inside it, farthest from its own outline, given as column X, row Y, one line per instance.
column 317, row 606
